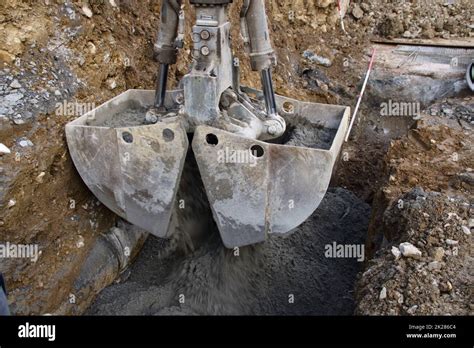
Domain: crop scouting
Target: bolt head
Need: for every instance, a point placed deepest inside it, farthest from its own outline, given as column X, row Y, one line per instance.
column 272, row 130
column 205, row 51
column 179, row 98
column 205, row 35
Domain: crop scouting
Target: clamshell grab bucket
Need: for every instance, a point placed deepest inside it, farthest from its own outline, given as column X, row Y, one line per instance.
column 255, row 188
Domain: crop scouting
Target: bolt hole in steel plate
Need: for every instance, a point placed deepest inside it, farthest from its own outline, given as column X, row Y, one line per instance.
column 288, row 107
column 127, row 137
column 212, row 139
column 168, row 134
column 257, row 151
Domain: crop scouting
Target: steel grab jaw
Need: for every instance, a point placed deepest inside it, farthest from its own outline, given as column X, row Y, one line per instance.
column 272, row 190
column 134, row 171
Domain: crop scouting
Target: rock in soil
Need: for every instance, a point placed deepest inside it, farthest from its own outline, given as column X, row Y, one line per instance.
column 438, row 281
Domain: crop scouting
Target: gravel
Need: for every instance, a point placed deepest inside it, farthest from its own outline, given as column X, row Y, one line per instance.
column 438, row 280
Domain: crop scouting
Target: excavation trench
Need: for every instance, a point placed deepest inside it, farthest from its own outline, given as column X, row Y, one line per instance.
column 193, row 273
column 61, row 56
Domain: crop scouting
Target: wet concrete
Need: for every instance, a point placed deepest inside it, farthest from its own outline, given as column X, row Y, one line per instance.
column 132, row 116
column 259, row 279
column 305, row 134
